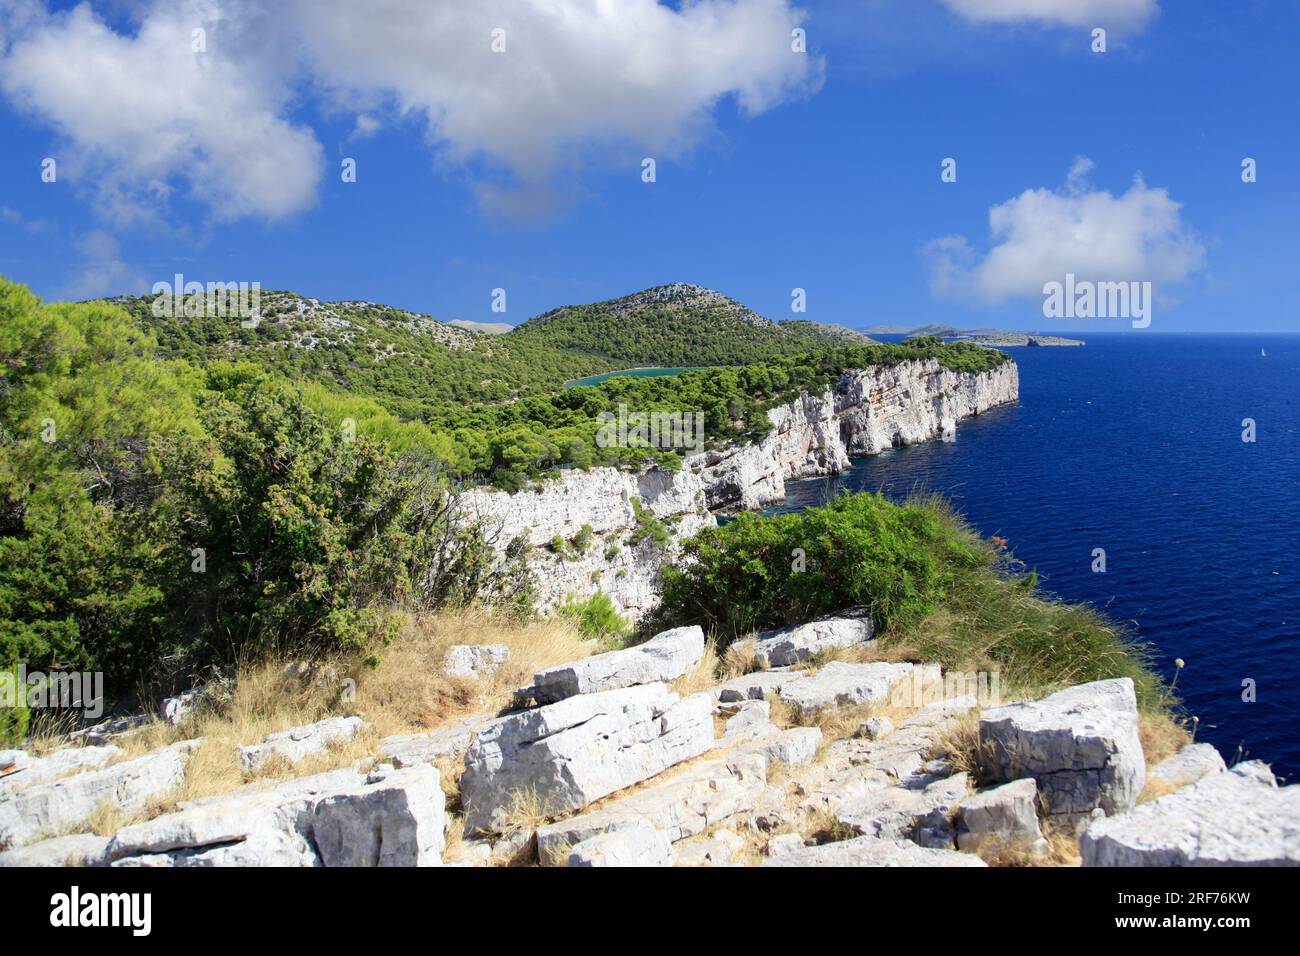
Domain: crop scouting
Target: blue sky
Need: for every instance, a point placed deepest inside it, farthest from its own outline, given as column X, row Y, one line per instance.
column 522, row 169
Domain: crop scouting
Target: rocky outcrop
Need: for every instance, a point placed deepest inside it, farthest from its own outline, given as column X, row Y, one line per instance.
column 871, row 851
column 664, row 657
column 387, row 817
column 638, row 776
column 619, row 559
column 1081, row 745
column 1236, row 818
column 864, row 412
column 568, row 754
column 800, row 642
column 298, row 743
column 49, row 809
column 474, row 661
column 1005, row 815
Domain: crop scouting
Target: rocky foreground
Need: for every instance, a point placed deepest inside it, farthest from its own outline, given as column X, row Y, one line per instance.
column 801, row 762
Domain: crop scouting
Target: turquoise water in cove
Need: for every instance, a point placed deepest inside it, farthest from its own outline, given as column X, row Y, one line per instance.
column 629, row 373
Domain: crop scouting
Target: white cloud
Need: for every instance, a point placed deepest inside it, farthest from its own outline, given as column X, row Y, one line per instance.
column 578, row 81
column 1041, row 235
column 581, row 82
column 141, row 114
column 1074, row 13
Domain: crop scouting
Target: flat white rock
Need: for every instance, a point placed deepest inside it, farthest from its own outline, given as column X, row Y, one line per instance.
column 1237, row 818
column 801, row 642
column 664, row 657
column 1081, row 744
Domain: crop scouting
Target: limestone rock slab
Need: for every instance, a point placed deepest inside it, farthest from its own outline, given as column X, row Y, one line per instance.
column 872, row 851
column 1006, row 814
column 1192, row 763
column 1240, row 817
column 664, row 657
column 844, row 685
column 577, row 750
column 1081, row 745
column 298, row 743
column 396, row 818
column 800, row 642
column 51, row 808
column 634, row 843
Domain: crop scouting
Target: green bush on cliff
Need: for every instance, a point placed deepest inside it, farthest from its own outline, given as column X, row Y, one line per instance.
column 596, row 617
column 153, row 514
column 937, row 592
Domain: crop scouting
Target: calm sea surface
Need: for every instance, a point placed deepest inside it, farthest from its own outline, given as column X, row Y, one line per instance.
column 1134, row 444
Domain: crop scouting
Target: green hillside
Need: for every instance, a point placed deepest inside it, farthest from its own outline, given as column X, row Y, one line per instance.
column 676, row 324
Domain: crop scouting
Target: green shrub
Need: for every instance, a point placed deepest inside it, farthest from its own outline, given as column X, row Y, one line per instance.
column 582, row 540
column 933, row 587
column 14, row 714
column 647, row 526
column 596, row 617
column 757, row 572
column 153, row 512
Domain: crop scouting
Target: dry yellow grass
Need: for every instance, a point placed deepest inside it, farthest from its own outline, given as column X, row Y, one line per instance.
column 702, row 676
column 737, row 659
column 407, row 692
column 1161, row 737
column 822, row 826
column 1062, row 850
column 960, row 745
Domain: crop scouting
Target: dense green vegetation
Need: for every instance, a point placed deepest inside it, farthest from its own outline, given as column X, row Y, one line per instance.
column 156, row 515
column 693, row 329
column 493, row 407
column 935, row 589
column 182, row 492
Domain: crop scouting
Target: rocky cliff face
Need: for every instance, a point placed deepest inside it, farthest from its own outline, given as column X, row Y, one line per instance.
column 622, row 557
column 864, row 412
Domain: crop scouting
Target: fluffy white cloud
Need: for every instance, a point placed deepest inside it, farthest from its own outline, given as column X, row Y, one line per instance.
column 141, row 114
column 1041, row 235
column 579, row 82
column 1074, row 13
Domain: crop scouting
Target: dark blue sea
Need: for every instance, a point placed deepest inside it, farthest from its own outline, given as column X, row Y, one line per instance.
column 1133, row 444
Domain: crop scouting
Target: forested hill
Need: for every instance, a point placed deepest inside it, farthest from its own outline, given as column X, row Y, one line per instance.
column 677, row 324
column 416, row 366
column 493, row 406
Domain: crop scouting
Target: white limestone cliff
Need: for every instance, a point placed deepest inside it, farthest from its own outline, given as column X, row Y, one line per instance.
column 864, row 412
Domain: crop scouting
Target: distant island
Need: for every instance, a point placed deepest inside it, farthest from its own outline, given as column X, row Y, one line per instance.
column 990, row 338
